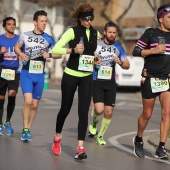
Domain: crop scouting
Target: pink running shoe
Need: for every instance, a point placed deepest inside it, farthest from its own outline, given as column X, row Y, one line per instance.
column 56, row 147
column 80, row 153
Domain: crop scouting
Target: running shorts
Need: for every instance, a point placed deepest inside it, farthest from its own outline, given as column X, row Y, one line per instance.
column 32, row 83
column 146, row 90
column 9, row 84
column 104, row 92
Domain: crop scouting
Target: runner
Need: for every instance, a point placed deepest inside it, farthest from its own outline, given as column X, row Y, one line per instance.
column 78, row 73
column 9, row 71
column 104, row 85
column 36, row 45
column 154, row 47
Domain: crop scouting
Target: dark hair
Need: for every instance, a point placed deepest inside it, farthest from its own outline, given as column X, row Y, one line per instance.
column 82, row 8
column 7, row 19
column 38, row 13
column 110, row 24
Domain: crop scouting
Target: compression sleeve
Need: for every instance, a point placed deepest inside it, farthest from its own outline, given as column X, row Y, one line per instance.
column 137, row 51
column 59, row 47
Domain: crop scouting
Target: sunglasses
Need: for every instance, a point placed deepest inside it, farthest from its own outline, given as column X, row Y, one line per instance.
column 91, row 18
column 167, row 9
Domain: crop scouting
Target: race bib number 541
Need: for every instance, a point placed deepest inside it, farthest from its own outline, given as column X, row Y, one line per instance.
column 159, row 85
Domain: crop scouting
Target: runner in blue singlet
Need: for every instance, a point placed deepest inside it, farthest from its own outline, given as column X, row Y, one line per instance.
column 9, row 73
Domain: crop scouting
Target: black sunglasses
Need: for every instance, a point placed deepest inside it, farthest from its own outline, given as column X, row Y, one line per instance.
column 91, row 18
column 167, row 9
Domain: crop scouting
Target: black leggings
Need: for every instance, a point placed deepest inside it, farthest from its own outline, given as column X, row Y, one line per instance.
column 69, row 85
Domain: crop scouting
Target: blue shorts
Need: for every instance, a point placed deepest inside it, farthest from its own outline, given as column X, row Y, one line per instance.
column 32, row 83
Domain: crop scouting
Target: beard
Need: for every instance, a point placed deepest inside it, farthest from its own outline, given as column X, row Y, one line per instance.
column 110, row 40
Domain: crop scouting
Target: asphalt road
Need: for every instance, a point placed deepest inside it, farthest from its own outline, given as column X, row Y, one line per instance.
column 116, row 155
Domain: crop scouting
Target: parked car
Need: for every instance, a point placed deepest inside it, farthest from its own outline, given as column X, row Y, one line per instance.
column 132, row 76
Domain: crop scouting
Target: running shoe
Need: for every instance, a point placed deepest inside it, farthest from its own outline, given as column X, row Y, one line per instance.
column 80, row 153
column 1, row 130
column 8, row 127
column 93, row 128
column 161, row 153
column 56, row 147
column 138, row 149
column 26, row 135
column 100, row 140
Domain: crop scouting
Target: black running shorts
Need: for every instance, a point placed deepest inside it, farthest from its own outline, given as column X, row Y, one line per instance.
column 104, row 92
column 146, row 90
column 9, row 84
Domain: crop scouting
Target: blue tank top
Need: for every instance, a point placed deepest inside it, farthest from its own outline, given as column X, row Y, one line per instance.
column 9, row 59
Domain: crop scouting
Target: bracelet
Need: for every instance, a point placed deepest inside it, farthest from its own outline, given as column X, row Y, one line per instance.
column 121, row 63
column 50, row 55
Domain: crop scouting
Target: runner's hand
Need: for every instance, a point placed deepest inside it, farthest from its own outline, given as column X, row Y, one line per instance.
column 44, row 54
column 24, row 57
column 97, row 60
column 117, row 60
column 3, row 50
column 161, row 48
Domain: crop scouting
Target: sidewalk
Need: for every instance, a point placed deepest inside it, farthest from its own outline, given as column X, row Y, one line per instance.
column 154, row 140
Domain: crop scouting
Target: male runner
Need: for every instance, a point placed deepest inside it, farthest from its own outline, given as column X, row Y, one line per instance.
column 104, row 85
column 9, row 73
column 154, row 47
column 36, row 45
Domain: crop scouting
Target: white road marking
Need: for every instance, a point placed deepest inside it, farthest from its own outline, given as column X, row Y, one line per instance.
column 113, row 141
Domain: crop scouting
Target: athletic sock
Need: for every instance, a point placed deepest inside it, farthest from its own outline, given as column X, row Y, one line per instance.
column 138, row 139
column 10, row 107
column 2, row 101
column 95, row 116
column 1, row 115
column 104, row 125
column 161, row 144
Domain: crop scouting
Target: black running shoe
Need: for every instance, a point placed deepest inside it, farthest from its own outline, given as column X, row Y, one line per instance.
column 161, row 153
column 138, row 149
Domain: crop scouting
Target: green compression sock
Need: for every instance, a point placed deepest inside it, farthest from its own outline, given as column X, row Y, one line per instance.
column 104, row 125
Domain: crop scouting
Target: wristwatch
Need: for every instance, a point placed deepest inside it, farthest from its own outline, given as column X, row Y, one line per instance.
column 72, row 51
column 50, row 55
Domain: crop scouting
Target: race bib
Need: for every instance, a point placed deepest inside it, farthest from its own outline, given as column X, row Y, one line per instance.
column 8, row 74
column 105, row 72
column 159, row 85
column 86, row 63
column 36, row 67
